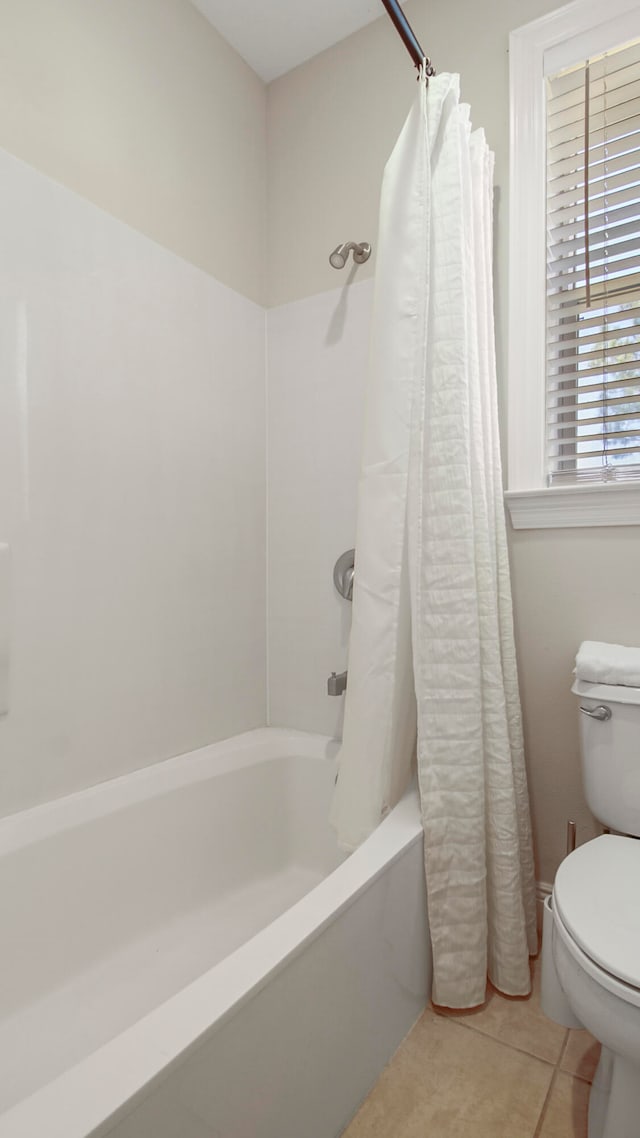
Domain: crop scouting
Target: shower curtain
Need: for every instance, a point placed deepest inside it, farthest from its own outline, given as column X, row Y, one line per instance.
column 432, row 641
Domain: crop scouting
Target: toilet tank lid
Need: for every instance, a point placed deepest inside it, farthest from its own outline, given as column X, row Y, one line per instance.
column 608, row 693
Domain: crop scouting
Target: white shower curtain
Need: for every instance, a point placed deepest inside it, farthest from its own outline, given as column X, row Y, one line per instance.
column 432, row 634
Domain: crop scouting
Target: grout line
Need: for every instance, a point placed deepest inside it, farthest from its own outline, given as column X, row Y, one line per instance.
column 554, row 1066
column 580, row 1078
column 512, row 1046
column 554, row 1079
column 571, row 1074
column 563, row 1049
column 564, row 1046
column 543, row 1112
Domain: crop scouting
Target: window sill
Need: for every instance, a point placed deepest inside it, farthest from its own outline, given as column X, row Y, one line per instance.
column 560, row 507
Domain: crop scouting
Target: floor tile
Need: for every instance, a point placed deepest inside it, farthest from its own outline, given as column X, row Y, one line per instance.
column 566, row 1112
column 581, row 1054
column 517, row 1022
column 448, row 1081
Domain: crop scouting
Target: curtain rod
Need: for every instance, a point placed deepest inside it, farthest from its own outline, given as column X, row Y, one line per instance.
column 407, row 34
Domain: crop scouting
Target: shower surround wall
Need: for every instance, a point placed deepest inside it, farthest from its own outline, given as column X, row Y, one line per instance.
column 132, row 393
column 317, row 366
column 132, row 470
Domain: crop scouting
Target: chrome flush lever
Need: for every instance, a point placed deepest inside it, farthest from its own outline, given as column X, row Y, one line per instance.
column 601, row 713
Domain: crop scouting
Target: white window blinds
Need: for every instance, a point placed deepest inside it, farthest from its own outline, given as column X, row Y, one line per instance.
column 593, row 269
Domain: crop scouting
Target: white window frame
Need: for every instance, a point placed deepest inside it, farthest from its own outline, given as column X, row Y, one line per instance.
column 544, row 47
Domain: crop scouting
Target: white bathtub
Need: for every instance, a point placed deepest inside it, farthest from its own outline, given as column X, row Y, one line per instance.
column 186, row 954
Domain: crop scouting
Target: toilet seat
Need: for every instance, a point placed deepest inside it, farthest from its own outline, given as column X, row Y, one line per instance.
column 626, row 992
column 596, row 897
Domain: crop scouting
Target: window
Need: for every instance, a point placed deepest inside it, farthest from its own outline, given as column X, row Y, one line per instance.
column 593, row 270
column 574, row 325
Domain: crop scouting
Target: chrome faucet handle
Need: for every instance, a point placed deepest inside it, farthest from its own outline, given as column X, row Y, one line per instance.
column 601, row 713
column 343, row 574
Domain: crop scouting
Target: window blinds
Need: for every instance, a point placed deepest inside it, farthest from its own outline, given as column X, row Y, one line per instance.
column 593, row 269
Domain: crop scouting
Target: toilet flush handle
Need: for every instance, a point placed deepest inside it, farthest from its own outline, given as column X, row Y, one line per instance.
column 602, row 713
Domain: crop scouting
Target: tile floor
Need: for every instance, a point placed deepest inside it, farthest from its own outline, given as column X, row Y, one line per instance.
column 500, row 1071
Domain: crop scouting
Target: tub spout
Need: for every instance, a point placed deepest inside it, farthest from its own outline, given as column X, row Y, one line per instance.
column 336, row 685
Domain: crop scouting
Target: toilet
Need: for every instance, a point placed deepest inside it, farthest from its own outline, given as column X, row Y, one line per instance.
column 591, row 937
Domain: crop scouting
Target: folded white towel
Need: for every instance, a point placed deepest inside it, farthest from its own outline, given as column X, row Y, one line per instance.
column 608, row 664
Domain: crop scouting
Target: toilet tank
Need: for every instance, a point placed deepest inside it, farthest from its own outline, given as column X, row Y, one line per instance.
column 610, row 754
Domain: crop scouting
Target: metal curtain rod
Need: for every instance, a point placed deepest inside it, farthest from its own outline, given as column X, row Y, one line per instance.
column 407, row 35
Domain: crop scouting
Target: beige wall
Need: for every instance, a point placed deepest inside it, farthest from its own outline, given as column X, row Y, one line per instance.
column 332, row 123
column 334, row 120
column 141, row 107
column 569, row 585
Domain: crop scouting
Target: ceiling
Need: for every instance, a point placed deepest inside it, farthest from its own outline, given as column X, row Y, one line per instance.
column 275, row 35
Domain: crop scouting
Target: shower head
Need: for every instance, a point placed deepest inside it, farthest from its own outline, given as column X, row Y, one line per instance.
column 340, row 255
column 338, row 258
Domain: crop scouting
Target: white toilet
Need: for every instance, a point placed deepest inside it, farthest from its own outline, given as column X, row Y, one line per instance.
column 591, row 948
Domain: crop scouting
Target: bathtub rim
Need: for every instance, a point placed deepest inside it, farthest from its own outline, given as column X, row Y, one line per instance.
column 263, row 744
column 91, row 1098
